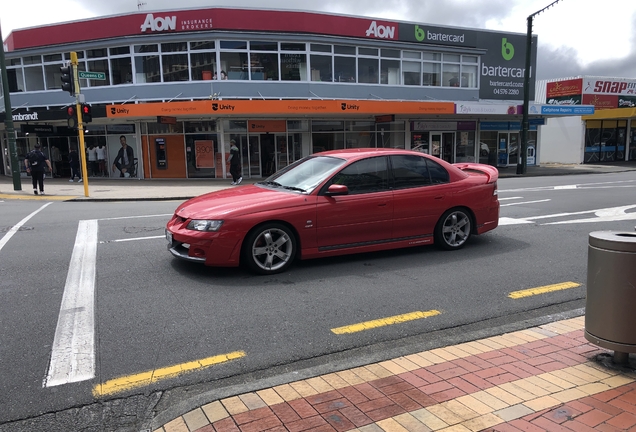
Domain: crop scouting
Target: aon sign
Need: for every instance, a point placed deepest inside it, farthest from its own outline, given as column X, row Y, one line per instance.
column 159, row 24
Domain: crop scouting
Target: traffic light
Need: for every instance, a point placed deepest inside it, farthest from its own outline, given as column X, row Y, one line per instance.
column 87, row 115
column 71, row 117
column 68, row 79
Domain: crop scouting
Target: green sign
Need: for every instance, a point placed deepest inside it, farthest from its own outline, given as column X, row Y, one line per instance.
column 92, row 75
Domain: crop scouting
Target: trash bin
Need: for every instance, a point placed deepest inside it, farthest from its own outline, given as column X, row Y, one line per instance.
column 610, row 312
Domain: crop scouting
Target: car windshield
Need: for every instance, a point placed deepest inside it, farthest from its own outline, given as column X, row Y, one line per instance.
column 304, row 175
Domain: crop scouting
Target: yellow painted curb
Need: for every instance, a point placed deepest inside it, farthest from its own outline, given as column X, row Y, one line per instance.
column 354, row 328
column 542, row 290
column 38, row 197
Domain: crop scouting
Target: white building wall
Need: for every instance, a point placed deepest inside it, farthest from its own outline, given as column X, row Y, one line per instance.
column 562, row 140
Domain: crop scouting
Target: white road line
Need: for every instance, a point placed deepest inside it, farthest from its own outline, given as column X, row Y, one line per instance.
column 133, row 239
column 73, row 352
column 511, row 198
column 525, row 202
column 510, row 221
column 135, row 217
column 16, row 227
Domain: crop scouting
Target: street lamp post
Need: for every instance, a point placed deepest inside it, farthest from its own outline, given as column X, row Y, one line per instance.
column 8, row 121
column 522, row 162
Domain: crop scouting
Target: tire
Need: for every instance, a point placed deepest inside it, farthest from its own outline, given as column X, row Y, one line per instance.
column 453, row 229
column 269, row 248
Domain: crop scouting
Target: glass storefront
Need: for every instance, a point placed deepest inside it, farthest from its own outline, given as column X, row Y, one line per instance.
column 605, row 141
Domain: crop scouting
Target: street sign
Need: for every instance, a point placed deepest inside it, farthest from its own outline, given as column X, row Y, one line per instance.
column 92, row 75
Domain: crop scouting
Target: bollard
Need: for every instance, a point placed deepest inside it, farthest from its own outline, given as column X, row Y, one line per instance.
column 610, row 321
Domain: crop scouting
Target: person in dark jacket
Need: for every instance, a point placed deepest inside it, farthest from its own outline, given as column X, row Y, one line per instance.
column 235, row 163
column 125, row 160
column 74, row 162
column 34, row 163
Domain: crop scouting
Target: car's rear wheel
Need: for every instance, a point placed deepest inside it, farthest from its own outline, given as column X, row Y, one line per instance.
column 453, row 229
column 269, row 248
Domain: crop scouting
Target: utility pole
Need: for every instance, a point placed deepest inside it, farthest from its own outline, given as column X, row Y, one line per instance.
column 523, row 154
column 8, row 122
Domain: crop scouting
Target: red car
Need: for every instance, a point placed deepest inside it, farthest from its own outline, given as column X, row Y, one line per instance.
column 335, row 203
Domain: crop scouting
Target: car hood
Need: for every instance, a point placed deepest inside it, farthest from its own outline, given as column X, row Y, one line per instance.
column 238, row 201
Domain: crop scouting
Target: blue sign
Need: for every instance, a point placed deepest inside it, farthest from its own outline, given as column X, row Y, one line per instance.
column 567, row 110
column 513, row 126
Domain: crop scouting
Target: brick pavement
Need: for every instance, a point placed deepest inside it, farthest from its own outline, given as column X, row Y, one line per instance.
column 546, row 378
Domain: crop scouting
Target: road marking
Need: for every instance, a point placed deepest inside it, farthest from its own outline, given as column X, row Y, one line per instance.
column 354, row 328
column 142, row 379
column 135, row 217
column 38, row 197
column 525, row 202
column 17, row 226
column 511, row 221
column 598, row 185
column 133, row 239
column 509, row 198
column 542, row 290
column 565, row 187
column 73, row 352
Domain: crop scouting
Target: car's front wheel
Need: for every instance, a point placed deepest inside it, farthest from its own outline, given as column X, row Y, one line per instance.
column 453, row 229
column 270, row 248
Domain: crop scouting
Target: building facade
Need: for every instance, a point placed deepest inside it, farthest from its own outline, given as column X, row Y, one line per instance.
column 177, row 86
column 607, row 135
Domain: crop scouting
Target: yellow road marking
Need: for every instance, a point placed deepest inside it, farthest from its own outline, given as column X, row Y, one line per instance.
column 146, row 378
column 384, row 322
column 38, row 197
column 543, row 290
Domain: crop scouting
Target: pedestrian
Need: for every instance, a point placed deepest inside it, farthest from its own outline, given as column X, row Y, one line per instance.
column 101, row 160
column 92, row 160
column 74, row 162
column 35, row 162
column 235, row 163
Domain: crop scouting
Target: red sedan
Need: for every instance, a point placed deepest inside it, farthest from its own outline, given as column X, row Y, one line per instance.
column 335, row 203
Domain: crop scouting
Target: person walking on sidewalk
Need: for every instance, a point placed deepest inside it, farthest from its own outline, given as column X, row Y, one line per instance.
column 34, row 163
column 235, row 163
column 74, row 162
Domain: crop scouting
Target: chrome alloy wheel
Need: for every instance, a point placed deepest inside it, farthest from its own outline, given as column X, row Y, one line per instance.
column 272, row 249
column 456, row 228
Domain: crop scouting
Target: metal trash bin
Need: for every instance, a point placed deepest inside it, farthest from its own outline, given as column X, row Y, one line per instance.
column 610, row 311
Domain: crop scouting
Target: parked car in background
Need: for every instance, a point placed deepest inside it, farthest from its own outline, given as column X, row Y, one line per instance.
column 336, row 203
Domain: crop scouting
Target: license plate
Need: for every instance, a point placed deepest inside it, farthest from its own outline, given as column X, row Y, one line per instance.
column 169, row 236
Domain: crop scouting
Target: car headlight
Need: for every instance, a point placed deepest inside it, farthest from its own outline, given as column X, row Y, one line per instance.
column 204, row 225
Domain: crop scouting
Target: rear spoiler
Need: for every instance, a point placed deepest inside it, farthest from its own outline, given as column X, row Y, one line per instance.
column 489, row 170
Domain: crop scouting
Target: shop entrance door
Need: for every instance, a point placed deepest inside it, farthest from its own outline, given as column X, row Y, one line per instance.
column 508, row 148
column 443, row 145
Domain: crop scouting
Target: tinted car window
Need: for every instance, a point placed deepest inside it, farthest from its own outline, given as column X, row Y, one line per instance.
column 438, row 174
column 368, row 175
column 409, row 171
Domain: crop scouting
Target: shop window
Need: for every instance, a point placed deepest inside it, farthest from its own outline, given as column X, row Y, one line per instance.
column 368, row 70
column 203, row 66
column 293, row 67
column 122, row 70
column 99, row 66
column 469, row 76
column 344, row 69
column 146, row 48
column 119, row 50
column 15, row 77
column 450, row 75
column 175, row 67
column 344, row 49
column 390, row 53
column 202, row 45
column 390, row 72
column 34, row 78
column 263, row 66
column 431, row 74
column 52, row 58
column 147, row 69
column 174, row 47
column 52, row 76
column 96, row 53
column 321, row 68
column 235, row 64
column 292, row 46
column 236, row 45
column 31, row 60
column 368, row 52
column 412, row 73
column 320, row 48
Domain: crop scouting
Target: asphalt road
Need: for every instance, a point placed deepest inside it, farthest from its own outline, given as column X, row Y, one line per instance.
column 152, row 312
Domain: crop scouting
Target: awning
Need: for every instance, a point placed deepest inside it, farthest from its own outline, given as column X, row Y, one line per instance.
column 616, row 113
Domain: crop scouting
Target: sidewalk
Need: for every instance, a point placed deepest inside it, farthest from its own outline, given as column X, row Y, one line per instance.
column 545, row 378
column 116, row 189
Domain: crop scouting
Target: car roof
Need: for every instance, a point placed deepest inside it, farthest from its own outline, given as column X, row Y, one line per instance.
column 358, row 153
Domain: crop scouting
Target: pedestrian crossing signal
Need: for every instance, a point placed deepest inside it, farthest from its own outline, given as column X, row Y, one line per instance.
column 87, row 115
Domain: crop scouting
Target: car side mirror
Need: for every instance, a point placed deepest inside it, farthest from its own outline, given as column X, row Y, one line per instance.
column 336, row 189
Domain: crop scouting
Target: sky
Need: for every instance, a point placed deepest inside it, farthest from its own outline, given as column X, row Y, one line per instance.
column 576, row 37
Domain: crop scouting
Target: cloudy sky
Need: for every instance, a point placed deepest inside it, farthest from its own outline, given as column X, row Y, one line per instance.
column 576, row 37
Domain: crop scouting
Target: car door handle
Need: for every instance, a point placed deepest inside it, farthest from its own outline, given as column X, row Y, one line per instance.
column 382, row 205
column 439, row 197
